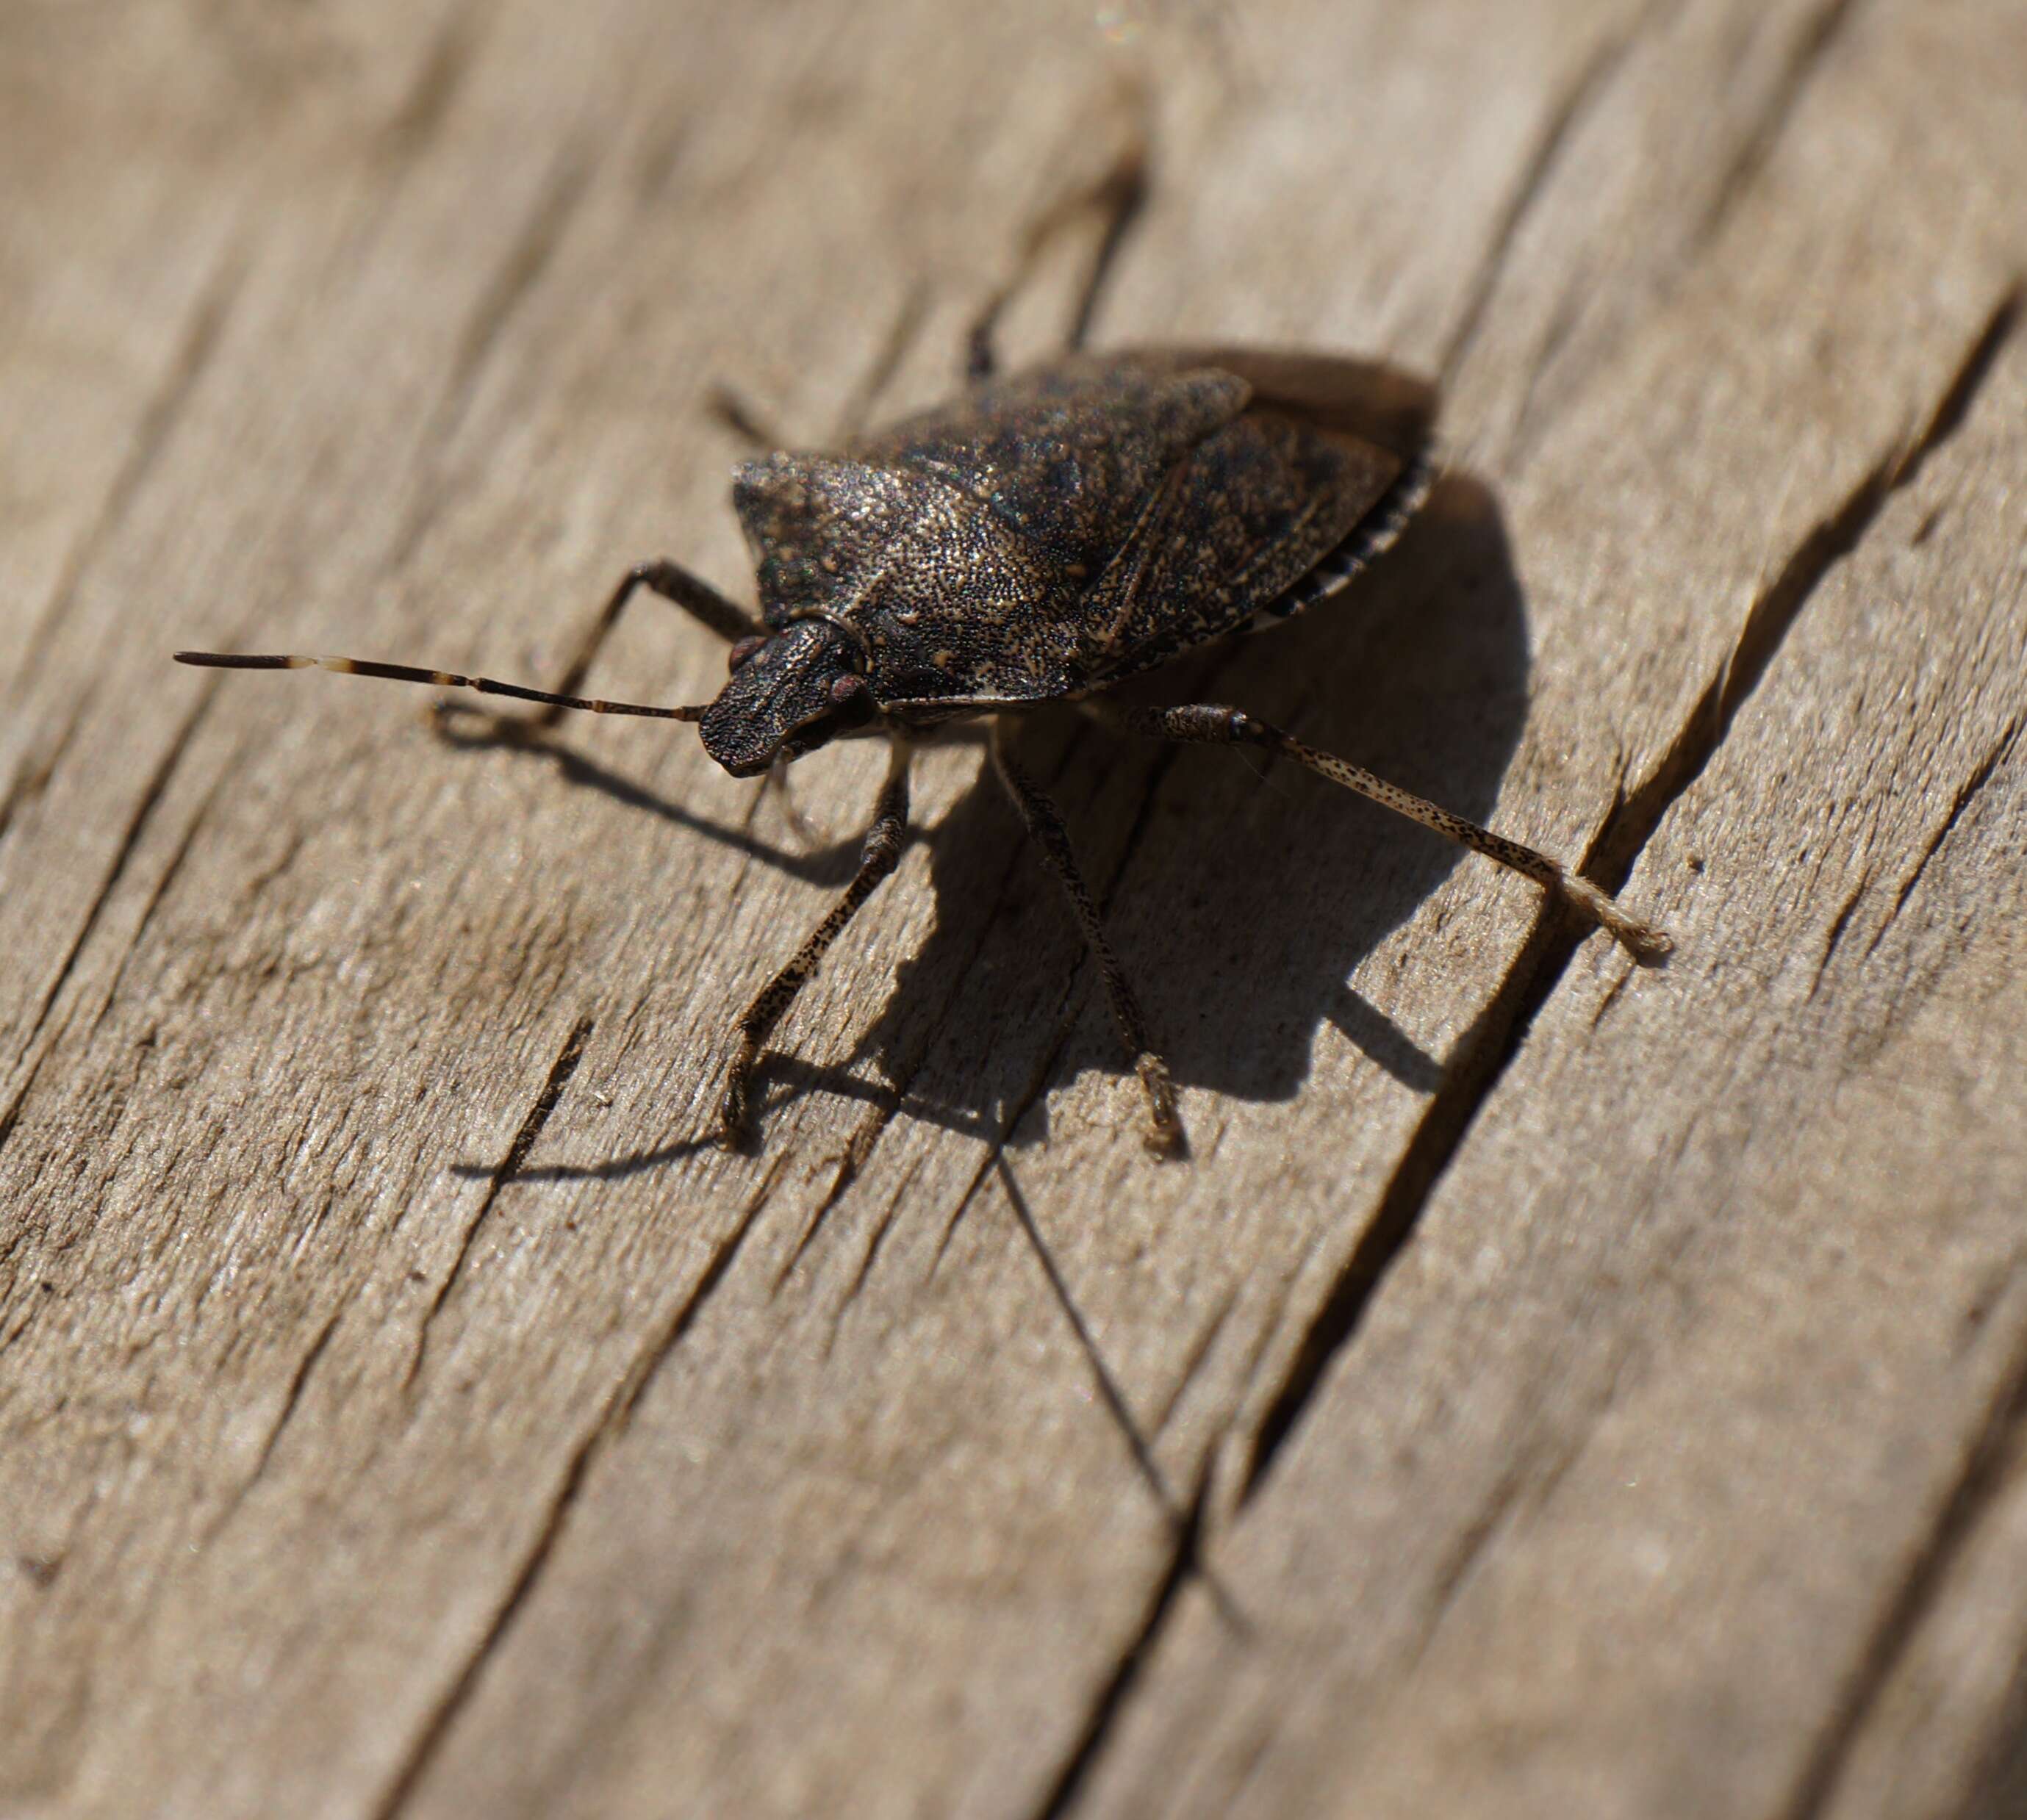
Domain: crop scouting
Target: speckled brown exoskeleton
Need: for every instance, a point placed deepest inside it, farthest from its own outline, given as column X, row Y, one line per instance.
column 1040, row 540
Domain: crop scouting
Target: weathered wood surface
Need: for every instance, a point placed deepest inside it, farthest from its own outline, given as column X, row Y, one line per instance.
column 1553, row 1387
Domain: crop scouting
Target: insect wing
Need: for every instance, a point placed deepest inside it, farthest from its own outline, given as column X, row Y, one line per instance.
column 1243, row 519
column 1066, row 455
column 1365, row 400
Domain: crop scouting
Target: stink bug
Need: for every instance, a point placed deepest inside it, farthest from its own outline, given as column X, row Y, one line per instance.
column 1042, row 539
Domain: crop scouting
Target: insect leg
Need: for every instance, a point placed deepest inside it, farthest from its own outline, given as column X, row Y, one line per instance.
column 733, row 410
column 1117, row 198
column 881, row 853
column 674, row 584
column 1204, row 723
column 1045, row 826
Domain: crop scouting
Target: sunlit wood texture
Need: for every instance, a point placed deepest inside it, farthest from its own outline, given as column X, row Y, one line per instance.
column 1553, row 1387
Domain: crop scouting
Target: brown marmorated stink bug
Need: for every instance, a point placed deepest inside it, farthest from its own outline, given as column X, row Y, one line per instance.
column 1042, row 539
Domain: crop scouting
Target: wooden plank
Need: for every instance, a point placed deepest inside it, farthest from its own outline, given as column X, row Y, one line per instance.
column 1650, row 1469
column 405, row 1413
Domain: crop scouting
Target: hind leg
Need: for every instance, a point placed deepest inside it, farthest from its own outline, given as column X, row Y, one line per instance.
column 1164, row 1135
column 1205, row 724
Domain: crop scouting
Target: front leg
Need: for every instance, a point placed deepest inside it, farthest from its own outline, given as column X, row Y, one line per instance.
column 674, row 582
column 675, row 585
column 881, row 853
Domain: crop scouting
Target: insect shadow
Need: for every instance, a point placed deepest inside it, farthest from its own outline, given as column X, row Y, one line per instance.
column 1062, row 535
column 1242, row 896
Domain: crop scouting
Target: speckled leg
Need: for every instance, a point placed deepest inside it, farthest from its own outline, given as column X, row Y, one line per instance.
column 879, row 856
column 1204, row 723
column 1165, row 1125
column 674, row 584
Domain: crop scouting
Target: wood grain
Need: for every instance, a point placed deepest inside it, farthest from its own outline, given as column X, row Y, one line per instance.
column 1551, row 1387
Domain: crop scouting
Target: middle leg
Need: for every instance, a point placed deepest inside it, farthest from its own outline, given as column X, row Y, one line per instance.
column 1164, row 1134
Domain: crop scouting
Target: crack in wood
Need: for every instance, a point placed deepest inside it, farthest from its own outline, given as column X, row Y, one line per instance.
column 1469, row 1548
column 1117, row 1690
column 291, row 1401
column 871, row 1254
column 902, row 332
column 33, row 776
column 857, row 1147
column 603, row 1434
column 1200, row 1349
column 1772, row 615
column 1812, row 46
column 527, row 259
column 1469, row 1077
column 1989, row 1464
column 1840, row 924
column 1531, row 418
column 529, row 256
column 1067, row 1019
column 1109, row 1391
column 525, row 1139
column 414, row 124
column 151, row 797
column 1966, row 793
column 865, row 1136
column 1499, row 1031
column 1610, row 997
column 1024, row 1103
column 1529, row 1480
column 1576, row 102
column 170, row 873
column 195, row 351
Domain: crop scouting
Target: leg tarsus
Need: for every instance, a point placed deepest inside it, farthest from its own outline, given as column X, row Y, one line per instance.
column 1164, row 1135
column 1207, row 723
column 735, row 1121
column 881, row 854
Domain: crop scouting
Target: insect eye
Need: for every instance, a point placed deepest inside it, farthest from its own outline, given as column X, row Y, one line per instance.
column 746, row 648
column 847, row 689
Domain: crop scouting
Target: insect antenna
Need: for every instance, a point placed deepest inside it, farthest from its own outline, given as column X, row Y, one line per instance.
column 432, row 679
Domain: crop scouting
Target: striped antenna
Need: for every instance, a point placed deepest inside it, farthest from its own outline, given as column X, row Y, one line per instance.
column 433, row 679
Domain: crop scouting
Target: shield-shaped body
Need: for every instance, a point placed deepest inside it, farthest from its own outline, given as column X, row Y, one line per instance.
column 1049, row 534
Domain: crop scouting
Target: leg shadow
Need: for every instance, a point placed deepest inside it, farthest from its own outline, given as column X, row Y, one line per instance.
column 1243, row 894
